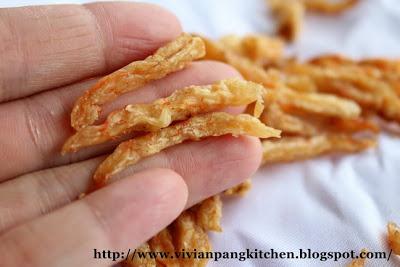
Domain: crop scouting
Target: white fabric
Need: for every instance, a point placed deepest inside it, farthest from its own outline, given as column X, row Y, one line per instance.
column 333, row 203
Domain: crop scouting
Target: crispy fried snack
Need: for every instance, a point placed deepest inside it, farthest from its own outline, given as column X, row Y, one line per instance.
column 290, row 16
column 209, row 213
column 188, row 232
column 394, row 237
column 170, row 58
column 260, row 49
column 329, row 7
column 317, row 103
column 240, row 189
column 195, row 128
column 359, row 262
column 188, row 236
column 163, row 242
column 181, row 105
column 249, row 70
column 356, row 83
column 299, row 148
column 136, row 261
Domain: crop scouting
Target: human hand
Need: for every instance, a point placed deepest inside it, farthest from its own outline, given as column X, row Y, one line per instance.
column 48, row 54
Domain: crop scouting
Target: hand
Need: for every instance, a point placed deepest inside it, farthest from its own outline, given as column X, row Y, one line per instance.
column 47, row 55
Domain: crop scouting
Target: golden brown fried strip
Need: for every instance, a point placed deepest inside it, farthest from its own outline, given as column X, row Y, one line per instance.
column 274, row 116
column 355, row 83
column 188, row 235
column 170, row 58
column 360, row 262
column 209, row 213
column 328, row 6
column 136, row 261
column 180, row 105
column 299, row 148
column 290, row 15
column 240, row 189
column 195, row 128
column 163, row 242
column 249, row 70
column 317, row 103
column 394, row 237
column 260, row 49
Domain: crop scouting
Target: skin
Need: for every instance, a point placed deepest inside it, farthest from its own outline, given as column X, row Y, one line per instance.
column 51, row 55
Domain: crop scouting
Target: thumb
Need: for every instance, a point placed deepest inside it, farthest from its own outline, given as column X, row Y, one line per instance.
column 117, row 217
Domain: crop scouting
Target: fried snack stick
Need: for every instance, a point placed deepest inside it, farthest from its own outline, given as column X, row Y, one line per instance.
column 385, row 70
column 170, row 58
column 260, row 49
column 274, row 116
column 313, row 102
column 195, row 128
column 317, row 103
column 209, row 213
column 135, row 261
column 180, row 105
column 187, row 232
column 394, row 237
column 240, row 189
column 328, row 6
column 249, row 70
column 360, row 262
column 290, row 15
column 354, row 83
column 299, row 148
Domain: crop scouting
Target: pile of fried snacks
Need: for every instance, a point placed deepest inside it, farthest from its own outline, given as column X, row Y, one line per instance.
column 325, row 105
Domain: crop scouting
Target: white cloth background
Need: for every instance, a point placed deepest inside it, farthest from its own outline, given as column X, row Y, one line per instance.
column 333, row 203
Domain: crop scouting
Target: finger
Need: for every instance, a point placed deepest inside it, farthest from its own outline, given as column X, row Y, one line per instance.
column 118, row 217
column 208, row 167
column 36, row 128
column 43, row 47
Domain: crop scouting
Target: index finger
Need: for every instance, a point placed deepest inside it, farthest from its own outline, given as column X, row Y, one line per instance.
column 44, row 47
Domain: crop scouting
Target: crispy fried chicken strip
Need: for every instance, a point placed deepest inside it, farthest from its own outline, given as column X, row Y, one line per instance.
column 195, row 128
column 181, row 105
column 170, row 58
column 298, row 148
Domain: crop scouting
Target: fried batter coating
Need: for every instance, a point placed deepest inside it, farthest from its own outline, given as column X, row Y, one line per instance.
column 329, row 7
column 136, row 261
column 170, row 58
column 290, row 15
column 195, row 128
column 260, row 49
column 209, row 214
column 299, row 148
column 394, row 237
column 240, row 189
column 181, row 105
column 360, row 262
